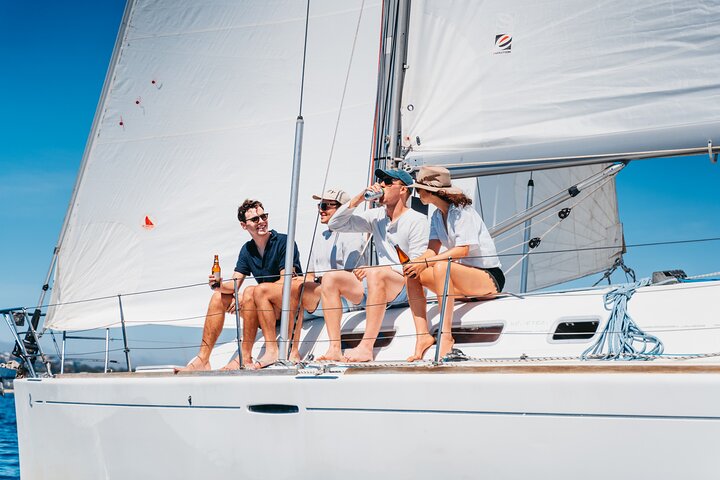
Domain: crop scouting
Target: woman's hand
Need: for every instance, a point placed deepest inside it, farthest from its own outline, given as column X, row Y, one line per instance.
column 414, row 268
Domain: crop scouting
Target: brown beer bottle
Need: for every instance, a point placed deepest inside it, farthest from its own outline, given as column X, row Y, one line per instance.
column 216, row 272
column 402, row 255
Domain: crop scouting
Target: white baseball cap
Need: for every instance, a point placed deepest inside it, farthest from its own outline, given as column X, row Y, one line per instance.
column 334, row 194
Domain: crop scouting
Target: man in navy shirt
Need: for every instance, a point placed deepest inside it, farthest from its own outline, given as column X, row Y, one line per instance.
column 263, row 257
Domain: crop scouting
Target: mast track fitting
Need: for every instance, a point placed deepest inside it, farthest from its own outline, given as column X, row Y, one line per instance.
column 407, row 167
column 713, row 156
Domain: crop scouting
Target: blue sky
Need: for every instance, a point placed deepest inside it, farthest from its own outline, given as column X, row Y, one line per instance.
column 54, row 58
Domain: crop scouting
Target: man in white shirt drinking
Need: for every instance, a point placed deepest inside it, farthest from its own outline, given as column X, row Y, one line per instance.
column 392, row 224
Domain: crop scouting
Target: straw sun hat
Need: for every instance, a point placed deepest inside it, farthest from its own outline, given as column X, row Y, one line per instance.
column 435, row 179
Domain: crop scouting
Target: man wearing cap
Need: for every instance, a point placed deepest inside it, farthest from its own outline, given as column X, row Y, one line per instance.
column 392, row 224
column 331, row 251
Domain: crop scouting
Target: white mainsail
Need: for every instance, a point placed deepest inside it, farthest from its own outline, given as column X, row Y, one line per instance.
column 495, row 83
column 199, row 114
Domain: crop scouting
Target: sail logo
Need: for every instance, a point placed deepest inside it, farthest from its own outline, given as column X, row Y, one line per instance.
column 149, row 223
column 503, row 43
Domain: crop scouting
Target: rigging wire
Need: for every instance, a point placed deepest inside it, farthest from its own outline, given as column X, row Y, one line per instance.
column 547, row 252
column 584, row 195
column 517, row 333
column 556, row 224
column 329, row 161
column 575, row 292
column 304, row 57
column 528, row 333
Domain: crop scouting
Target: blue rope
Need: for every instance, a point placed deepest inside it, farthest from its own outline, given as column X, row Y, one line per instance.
column 620, row 336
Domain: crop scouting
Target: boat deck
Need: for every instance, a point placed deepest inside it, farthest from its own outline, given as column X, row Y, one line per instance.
column 692, row 366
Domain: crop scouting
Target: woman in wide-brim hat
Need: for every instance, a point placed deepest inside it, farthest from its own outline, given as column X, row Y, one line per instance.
column 474, row 270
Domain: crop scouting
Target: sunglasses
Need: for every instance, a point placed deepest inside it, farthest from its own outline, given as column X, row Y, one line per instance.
column 257, row 218
column 389, row 181
column 326, row 205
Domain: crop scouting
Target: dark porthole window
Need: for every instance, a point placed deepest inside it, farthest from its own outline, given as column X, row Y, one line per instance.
column 475, row 333
column 352, row 339
column 575, row 330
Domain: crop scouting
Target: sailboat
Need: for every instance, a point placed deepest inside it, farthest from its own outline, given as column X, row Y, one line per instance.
column 536, row 106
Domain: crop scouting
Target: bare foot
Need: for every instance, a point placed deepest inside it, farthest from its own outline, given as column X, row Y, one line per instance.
column 422, row 343
column 265, row 361
column 359, row 354
column 446, row 345
column 332, row 355
column 233, row 364
column 295, row 357
column 196, row 364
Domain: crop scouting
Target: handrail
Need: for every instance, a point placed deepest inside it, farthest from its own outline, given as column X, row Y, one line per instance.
column 20, row 346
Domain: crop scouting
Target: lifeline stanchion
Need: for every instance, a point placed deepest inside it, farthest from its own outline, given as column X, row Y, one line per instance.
column 124, row 334
column 62, row 354
column 107, row 350
column 442, row 311
column 237, row 322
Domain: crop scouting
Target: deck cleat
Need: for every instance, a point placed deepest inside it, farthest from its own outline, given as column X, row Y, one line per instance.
column 455, row 355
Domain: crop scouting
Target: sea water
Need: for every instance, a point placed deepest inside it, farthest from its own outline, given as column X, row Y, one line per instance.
column 9, row 460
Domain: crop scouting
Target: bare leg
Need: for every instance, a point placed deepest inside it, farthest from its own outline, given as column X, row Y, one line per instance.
column 267, row 316
column 418, row 307
column 335, row 285
column 472, row 282
column 249, row 313
column 464, row 280
column 439, row 273
column 384, row 284
column 272, row 292
column 309, row 301
column 214, row 320
column 296, row 317
column 311, row 296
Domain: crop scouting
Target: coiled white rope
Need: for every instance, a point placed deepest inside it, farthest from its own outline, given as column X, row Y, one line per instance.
column 621, row 334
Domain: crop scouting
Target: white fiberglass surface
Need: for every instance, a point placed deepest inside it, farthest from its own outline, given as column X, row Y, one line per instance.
column 199, row 115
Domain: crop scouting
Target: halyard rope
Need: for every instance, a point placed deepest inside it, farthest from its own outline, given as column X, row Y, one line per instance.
column 622, row 338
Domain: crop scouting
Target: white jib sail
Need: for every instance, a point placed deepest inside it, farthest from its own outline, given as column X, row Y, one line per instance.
column 490, row 82
column 199, row 115
column 587, row 241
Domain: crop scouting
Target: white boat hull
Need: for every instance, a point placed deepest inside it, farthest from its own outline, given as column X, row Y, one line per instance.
column 490, row 418
column 469, row 422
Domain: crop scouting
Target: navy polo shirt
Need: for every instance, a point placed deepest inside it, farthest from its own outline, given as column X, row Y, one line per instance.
column 266, row 268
